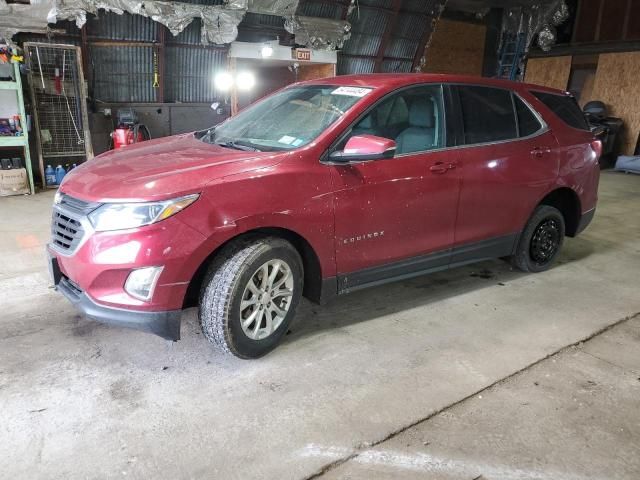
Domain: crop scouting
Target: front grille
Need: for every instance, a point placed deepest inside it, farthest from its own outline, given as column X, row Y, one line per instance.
column 66, row 225
column 66, row 232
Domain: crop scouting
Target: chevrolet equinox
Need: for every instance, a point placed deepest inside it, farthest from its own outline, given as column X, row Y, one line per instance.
column 322, row 188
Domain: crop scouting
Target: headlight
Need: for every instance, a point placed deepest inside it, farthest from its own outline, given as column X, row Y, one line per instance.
column 120, row 216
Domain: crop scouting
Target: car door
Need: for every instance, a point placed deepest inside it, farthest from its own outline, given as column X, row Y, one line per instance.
column 507, row 160
column 395, row 217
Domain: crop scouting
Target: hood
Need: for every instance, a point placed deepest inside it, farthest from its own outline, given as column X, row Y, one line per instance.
column 160, row 169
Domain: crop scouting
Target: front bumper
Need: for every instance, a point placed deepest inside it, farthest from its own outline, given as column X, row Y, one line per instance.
column 165, row 324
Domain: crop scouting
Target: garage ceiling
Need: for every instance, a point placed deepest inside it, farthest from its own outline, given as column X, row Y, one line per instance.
column 477, row 6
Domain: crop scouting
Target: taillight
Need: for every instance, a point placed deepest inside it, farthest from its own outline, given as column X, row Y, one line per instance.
column 596, row 145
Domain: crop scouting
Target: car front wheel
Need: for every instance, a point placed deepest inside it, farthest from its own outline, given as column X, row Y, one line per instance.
column 250, row 295
column 540, row 241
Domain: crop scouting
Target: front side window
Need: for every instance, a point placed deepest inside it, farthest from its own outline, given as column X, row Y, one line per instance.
column 288, row 119
column 565, row 107
column 413, row 117
column 487, row 114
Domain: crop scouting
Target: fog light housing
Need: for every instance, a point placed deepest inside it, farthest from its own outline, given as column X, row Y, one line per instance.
column 141, row 282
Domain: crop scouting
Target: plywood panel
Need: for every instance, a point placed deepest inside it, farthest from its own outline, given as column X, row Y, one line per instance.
column 549, row 71
column 313, row 71
column 618, row 86
column 456, row 47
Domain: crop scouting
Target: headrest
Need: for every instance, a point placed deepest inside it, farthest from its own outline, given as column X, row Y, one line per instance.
column 366, row 122
column 421, row 113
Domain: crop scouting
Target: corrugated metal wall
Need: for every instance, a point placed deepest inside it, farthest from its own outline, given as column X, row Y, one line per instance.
column 189, row 73
column 111, row 26
column 406, row 29
column 122, row 73
column 121, row 58
column 122, row 47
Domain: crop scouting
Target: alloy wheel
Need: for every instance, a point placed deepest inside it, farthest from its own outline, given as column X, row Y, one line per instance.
column 266, row 299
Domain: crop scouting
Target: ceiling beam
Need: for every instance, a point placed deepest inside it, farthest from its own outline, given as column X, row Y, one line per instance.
column 386, row 36
column 384, row 10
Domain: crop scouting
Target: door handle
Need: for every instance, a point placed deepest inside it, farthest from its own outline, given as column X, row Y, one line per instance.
column 540, row 152
column 441, row 167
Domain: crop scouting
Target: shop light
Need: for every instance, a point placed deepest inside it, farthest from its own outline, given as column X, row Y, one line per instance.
column 267, row 51
column 245, row 81
column 223, row 81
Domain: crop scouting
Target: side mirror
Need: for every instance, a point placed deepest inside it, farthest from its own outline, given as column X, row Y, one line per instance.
column 361, row 148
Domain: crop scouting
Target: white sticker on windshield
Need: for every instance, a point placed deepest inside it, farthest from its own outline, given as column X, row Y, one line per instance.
column 351, row 91
column 286, row 139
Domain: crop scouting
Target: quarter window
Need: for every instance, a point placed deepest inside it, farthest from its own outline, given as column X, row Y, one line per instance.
column 528, row 123
column 487, row 114
column 412, row 117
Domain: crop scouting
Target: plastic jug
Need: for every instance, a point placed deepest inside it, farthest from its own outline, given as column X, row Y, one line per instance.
column 50, row 175
column 60, row 173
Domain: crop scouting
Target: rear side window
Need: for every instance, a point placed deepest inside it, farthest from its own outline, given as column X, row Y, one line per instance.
column 565, row 107
column 487, row 114
column 528, row 123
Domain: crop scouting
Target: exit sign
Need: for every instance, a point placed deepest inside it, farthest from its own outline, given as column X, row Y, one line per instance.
column 303, row 54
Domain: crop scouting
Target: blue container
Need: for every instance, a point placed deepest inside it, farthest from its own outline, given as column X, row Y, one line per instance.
column 60, row 173
column 50, row 175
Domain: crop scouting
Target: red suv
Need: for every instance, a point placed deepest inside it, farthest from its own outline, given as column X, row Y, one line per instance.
column 320, row 189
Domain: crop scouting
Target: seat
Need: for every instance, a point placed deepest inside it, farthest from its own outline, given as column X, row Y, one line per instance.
column 365, row 126
column 420, row 135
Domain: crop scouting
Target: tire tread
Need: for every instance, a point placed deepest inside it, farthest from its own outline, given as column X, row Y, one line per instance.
column 216, row 294
column 520, row 259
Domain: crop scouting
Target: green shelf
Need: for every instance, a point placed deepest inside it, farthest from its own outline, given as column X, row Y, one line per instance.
column 12, row 141
column 8, row 85
column 21, row 141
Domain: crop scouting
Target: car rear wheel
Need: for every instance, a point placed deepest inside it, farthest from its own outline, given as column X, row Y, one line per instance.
column 250, row 295
column 540, row 241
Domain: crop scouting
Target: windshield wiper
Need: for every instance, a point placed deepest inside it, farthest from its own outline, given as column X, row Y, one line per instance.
column 237, row 146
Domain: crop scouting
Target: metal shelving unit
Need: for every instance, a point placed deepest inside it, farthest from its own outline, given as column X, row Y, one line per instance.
column 23, row 140
column 58, row 92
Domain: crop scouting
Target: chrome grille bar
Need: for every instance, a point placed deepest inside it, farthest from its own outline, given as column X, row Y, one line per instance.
column 68, row 223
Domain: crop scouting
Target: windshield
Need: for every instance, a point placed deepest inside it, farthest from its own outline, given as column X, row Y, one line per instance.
column 288, row 119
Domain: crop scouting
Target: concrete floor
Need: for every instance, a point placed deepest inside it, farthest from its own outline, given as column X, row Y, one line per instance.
column 415, row 379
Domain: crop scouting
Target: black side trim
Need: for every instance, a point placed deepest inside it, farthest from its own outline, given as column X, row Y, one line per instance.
column 484, row 250
column 408, row 268
column 585, row 220
column 164, row 324
column 432, row 262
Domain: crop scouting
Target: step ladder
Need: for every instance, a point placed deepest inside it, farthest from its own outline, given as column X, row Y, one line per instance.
column 511, row 54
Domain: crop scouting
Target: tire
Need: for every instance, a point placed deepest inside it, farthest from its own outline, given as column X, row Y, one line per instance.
column 227, row 300
column 540, row 241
